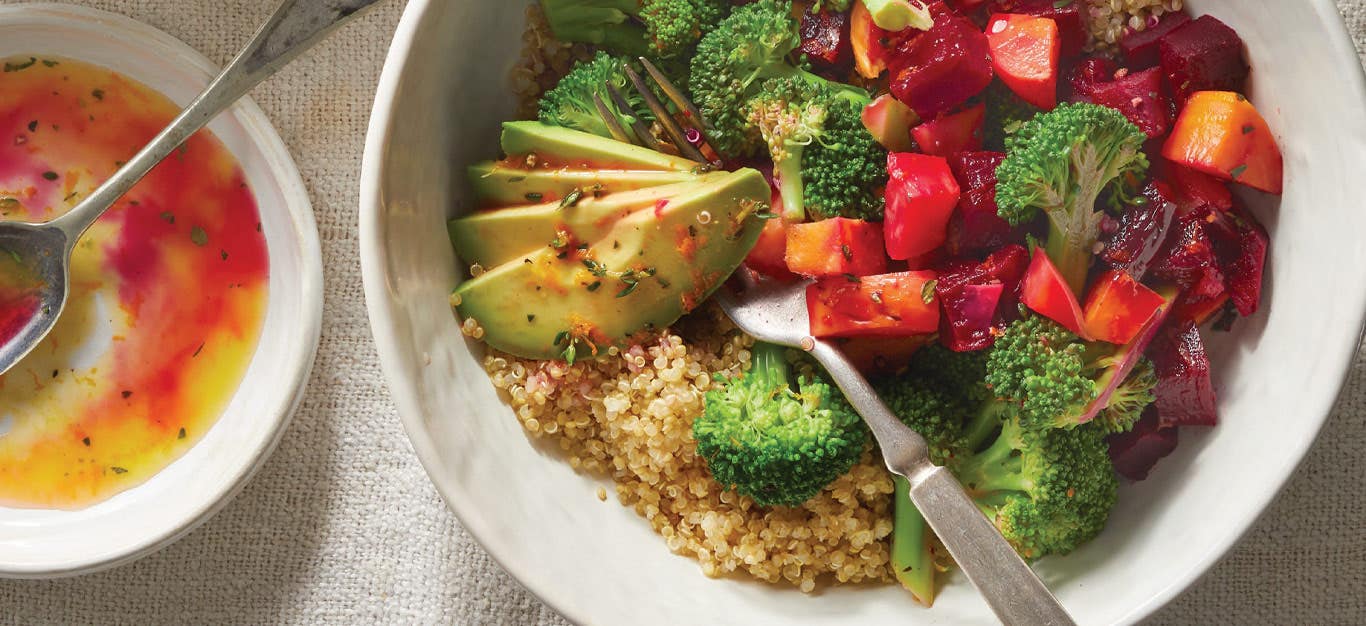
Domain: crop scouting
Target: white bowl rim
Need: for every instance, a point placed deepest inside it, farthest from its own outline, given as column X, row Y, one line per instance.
column 300, row 357
column 381, row 312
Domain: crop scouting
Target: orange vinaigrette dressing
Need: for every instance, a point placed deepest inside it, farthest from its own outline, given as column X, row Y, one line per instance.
column 168, row 289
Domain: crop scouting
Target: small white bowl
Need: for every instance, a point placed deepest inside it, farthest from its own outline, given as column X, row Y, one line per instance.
column 441, row 98
column 50, row 543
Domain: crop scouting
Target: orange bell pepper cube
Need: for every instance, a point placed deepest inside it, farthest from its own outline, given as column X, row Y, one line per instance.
column 1118, row 307
column 1045, row 292
column 1025, row 52
column 1221, row 134
column 835, row 247
column 886, row 305
column 865, row 39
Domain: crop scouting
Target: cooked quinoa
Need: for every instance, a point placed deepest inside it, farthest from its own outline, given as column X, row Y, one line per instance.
column 1109, row 19
column 629, row 415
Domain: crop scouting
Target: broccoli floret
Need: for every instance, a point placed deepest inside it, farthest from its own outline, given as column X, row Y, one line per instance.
column 731, row 65
column 664, row 29
column 1129, row 399
column 1006, row 113
column 1059, row 163
column 846, row 170
column 1047, row 491
column 775, row 439
column 824, row 159
column 570, row 103
column 831, row 5
column 1042, row 367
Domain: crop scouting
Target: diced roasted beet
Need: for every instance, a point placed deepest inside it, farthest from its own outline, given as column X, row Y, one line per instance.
column 974, row 297
column 1068, row 16
column 976, row 169
column 941, row 68
column 1138, row 95
column 1139, row 47
column 1089, row 73
column 1184, row 392
column 1141, row 231
column 1194, row 190
column 825, row 40
column 1245, row 272
column 1189, row 258
column 1136, row 452
column 975, row 226
column 1203, row 55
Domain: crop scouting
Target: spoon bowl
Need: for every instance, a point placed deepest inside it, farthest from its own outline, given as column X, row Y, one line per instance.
column 42, row 249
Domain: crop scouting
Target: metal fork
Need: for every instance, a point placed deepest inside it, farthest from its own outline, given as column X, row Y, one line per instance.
column 776, row 313
column 639, row 133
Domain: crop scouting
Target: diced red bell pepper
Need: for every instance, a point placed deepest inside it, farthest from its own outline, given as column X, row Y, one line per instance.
column 825, row 40
column 921, row 195
column 1025, row 53
column 892, row 305
column 1045, row 292
column 1140, row 47
column 936, row 70
column 871, row 46
column 1136, row 452
column 950, row 134
column 1118, row 307
column 835, row 247
column 1203, row 54
column 1221, row 134
column 1068, row 16
column 889, row 121
column 1184, row 392
column 1138, row 95
column 769, row 254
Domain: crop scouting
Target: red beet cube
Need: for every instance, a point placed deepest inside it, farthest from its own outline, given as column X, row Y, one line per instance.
column 1141, row 232
column 1090, row 73
column 975, row 226
column 1245, row 271
column 973, row 296
column 1184, row 392
column 1189, row 258
column 1203, row 55
column 1139, row 47
column 941, row 68
column 1071, row 23
column 1138, row 95
column 1136, row 452
column 825, row 40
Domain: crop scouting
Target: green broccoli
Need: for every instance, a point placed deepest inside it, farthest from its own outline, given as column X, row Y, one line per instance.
column 570, row 103
column 777, row 440
column 1047, row 491
column 813, row 133
column 1053, row 377
column 731, row 66
column 1059, row 163
column 664, row 29
column 831, row 5
column 1006, row 113
column 897, row 15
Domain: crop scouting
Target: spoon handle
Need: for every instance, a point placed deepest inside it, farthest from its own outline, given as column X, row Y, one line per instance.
column 294, row 27
column 1010, row 587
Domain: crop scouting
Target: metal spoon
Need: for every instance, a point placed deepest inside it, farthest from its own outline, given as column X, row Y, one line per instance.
column 776, row 313
column 294, row 27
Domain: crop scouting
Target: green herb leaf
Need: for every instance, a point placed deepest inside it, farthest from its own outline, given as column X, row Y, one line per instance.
column 572, row 198
column 15, row 67
column 50, row 175
column 927, row 291
column 198, row 236
column 1238, row 171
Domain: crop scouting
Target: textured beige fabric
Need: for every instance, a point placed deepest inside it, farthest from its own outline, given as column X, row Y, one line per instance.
column 342, row 525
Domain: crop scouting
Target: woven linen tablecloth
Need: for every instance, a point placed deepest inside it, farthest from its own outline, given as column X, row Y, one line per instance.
column 343, row 526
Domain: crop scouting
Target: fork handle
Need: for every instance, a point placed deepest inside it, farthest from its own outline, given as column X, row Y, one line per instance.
column 1010, row 587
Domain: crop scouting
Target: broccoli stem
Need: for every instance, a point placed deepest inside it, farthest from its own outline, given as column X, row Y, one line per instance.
column 1074, row 228
column 997, row 468
column 787, row 173
column 768, row 366
column 912, row 560
column 985, row 423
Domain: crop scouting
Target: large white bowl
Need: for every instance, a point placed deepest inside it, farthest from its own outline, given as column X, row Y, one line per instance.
column 440, row 100
column 46, row 543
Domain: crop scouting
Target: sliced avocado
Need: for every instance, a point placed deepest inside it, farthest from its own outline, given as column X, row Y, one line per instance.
column 645, row 272
column 497, row 184
column 495, row 237
column 558, row 147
